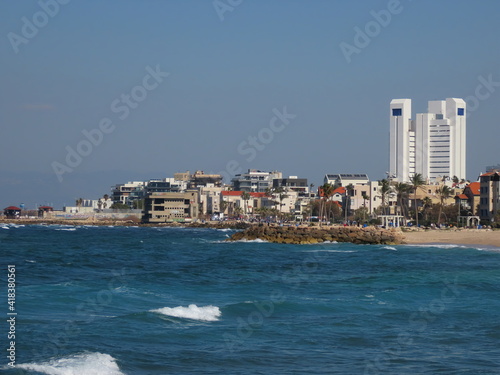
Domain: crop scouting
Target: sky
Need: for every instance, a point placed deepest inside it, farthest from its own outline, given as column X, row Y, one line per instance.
column 95, row 93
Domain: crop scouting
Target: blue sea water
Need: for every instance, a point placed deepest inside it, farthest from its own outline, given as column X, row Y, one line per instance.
column 126, row 300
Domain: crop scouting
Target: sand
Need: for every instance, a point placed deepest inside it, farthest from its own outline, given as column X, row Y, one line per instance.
column 461, row 237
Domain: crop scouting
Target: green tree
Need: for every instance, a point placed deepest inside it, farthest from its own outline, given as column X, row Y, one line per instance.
column 402, row 191
column 279, row 193
column 385, row 189
column 138, row 204
column 427, row 206
column 416, row 181
column 360, row 214
column 365, row 198
column 223, row 205
column 238, row 211
column 119, row 206
column 327, row 191
column 443, row 192
column 246, row 197
column 349, row 192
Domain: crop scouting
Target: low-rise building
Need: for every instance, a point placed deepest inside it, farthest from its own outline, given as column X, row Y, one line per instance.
column 255, row 181
column 45, row 211
column 121, row 192
column 234, row 202
column 344, row 179
column 164, row 207
column 489, row 203
column 292, row 183
column 473, row 194
column 12, row 212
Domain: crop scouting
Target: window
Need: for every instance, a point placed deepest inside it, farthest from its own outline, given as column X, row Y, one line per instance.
column 461, row 111
column 397, row 112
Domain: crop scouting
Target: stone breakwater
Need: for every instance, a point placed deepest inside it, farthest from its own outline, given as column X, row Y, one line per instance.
column 294, row 235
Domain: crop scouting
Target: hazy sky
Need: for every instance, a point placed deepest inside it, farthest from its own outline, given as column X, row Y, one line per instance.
column 181, row 85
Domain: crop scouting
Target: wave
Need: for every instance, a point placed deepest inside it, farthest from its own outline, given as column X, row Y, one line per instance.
column 258, row 240
column 389, row 248
column 81, row 364
column 205, row 313
column 440, row 246
column 330, row 251
column 67, row 229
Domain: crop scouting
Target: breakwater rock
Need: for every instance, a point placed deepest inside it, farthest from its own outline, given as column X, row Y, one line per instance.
column 294, row 235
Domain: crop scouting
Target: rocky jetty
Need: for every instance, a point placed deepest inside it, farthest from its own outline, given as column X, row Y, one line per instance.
column 312, row 235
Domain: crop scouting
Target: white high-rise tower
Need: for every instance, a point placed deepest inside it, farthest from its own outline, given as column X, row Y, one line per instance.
column 432, row 145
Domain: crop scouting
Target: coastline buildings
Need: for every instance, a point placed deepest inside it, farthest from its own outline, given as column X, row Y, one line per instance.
column 162, row 207
column 433, row 144
column 489, row 203
column 255, row 181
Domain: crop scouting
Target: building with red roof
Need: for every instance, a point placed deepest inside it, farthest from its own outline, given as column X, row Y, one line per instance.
column 472, row 192
column 12, row 212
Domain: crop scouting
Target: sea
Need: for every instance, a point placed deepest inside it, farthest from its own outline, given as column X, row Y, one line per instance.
column 134, row 300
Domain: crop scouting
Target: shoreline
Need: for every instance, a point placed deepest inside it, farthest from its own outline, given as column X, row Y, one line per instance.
column 478, row 237
column 485, row 237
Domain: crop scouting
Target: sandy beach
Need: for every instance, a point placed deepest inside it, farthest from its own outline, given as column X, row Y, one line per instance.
column 461, row 237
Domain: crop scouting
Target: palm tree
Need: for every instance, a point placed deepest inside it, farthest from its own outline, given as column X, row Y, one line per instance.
column 312, row 185
column 385, row 190
column 455, row 180
column 365, row 198
column 246, row 197
column 327, row 190
column 443, row 192
column 262, row 211
column 427, row 204
column 237, row 211
column 349, row 192
column 416, row 181
column 277, row 192
column 282, row 194
column 401, row 189
column 223, row 205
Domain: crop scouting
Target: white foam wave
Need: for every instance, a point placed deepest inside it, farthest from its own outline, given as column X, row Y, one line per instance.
column 330, row 251
column 12, row 225
column 258, row 240
column 206, row 313
column 67, row 229
column 390, row 248
column 79, row 364
column 440, row 246
column 224, row 229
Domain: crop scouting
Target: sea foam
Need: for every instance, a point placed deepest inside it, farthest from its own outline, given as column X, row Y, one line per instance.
column 79, row 364
column 204, row 313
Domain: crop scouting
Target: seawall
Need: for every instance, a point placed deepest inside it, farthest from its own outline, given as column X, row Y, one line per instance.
column 294, row 235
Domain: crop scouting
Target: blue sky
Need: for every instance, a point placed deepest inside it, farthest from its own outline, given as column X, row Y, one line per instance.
column 226, row 76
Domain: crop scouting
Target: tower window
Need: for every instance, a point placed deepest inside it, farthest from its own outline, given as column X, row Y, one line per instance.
column 397, row 112
column 461, row 111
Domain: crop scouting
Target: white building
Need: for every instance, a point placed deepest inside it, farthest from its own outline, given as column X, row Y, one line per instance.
column 255, row 181
column 433, row 144
column 345, row 179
